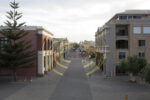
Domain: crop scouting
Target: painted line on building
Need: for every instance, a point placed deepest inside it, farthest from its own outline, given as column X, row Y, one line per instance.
column 59, row 64
column 102, row 58
column 89, row 64
column 57, row 72
column 62, row 51
column 92, row 71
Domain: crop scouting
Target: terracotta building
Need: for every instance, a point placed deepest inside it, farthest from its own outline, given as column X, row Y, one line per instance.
column 41, row 41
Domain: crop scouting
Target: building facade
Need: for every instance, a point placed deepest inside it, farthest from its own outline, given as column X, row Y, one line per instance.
column 41, row 41
column 61, row 47
column 125, row 34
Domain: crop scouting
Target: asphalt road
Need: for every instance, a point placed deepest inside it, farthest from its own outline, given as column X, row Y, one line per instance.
column 74, row 84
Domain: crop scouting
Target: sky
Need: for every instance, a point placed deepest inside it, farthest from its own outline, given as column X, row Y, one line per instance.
column 77, row 20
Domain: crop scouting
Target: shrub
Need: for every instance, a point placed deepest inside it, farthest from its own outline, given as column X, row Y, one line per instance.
column 133, row 64
column 122, row 67
column 145, row 73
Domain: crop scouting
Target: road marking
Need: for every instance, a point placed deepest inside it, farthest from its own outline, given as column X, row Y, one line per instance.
column 92, row 71
column 59, row 64
column 57, row 72
column 67, row 61
column 63, row 66
column 83, row 60
column 89, row 64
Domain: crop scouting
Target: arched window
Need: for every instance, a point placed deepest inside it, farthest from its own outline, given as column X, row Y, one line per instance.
column 44, row 44
column 51, row 44
column 48, row 45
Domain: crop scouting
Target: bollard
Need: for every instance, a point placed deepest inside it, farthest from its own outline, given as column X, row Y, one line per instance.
column 30, row 78
column 126, row 97
column 25, row 78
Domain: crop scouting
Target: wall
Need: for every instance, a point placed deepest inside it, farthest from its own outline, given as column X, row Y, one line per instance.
column 27, row 71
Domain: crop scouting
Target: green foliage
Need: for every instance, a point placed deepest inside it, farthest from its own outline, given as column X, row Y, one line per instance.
column 142, row 63
column 92, row 56
column 122, row 67
column 133, row 64
column 15, row 53
column 145, row 73
column 75, row 46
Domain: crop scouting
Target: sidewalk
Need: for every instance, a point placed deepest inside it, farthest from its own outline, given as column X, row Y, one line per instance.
column 117, row 88
column 8, row 88
column 39, row 89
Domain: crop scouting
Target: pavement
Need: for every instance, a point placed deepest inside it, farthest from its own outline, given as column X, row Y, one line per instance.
column 8, row 88
column 75, row 85
column 117, row 88
column 40, row 88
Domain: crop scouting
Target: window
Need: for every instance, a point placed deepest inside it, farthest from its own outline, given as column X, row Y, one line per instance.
column 136, row 17
column 130, row 17
column 122, row 17
column 48, row 45
column 45, row 44
column 3, row 41
column 121, row 44
column 146, row 30
column 141, row 43
column 122, row 55
column 141, row 54
column 122, row 30
column 136, row 30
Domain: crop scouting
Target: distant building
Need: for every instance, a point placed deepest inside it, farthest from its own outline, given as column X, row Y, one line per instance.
column 125, row 34
column 86, row 44
column 41, row 41
column 61, row 46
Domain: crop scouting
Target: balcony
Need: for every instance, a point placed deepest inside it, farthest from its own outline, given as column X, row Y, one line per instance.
column 122, row 32
column 121, row 44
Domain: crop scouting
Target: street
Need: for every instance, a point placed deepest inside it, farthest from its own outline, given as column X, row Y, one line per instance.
column 75, row 85
column 74, row 50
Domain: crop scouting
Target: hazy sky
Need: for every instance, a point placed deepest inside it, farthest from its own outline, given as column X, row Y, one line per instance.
column 76, row 19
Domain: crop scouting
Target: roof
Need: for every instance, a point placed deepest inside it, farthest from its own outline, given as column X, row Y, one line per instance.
column 135, row 12
column 29, row 28
column 131, row 12
column 61, row 39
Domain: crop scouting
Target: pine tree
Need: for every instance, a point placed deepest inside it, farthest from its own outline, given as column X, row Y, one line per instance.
column 15, row 51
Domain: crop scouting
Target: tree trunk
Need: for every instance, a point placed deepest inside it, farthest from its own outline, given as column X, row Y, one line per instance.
column 15, row 75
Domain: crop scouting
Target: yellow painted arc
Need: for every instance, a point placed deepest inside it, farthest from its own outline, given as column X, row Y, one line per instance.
column 67, row 61
column 89, row 64
column 57, row 72
column 63, row 66
column 61, row 46
column 92, row 71
column 83, row 60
